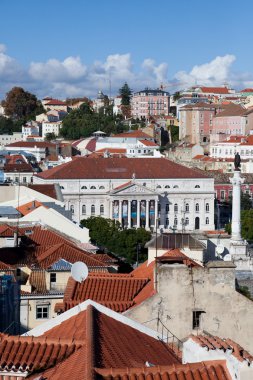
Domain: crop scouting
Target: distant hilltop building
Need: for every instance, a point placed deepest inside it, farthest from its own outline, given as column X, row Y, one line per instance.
column 146, row 103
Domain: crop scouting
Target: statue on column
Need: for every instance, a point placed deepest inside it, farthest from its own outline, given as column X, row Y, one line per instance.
column 237, row 162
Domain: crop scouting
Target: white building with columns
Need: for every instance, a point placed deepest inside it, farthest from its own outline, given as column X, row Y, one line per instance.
column 136, row 191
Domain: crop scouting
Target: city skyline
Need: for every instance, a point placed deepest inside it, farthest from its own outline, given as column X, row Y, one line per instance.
column 66, row 51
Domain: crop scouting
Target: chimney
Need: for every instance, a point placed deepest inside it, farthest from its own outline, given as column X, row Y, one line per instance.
column 15, row 238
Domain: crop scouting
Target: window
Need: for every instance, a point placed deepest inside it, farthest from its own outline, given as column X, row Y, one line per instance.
column 93, row 187
column 18, row 272
column 52, row 277
column 175, row 187
column 24, row 179
column 42, row 311
column 84, row 188
column 197, row 207
column 187, row 207
column 83, row 209
column 186, row 221
column 196, row 319
column 102, row 209
column 207, row 207
column 222, row 195
column 92, row 210
column 175, row 207
column 167, row 222
column 167, row 207
column 101, row 187
column 62, row 187
column 197, row 187
column 167, row 187
column 230, row 193
column 207, row 220
column 158, row 186
column 72, row 208
column 175, row 222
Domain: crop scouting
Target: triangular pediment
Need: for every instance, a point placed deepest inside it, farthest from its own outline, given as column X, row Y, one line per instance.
column 132, row 188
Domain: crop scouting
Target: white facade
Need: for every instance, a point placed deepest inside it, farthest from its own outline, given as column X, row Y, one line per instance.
column 6, row 139
column 30, row 130
column 51, row 127
column 227, row 149
column 176, row 204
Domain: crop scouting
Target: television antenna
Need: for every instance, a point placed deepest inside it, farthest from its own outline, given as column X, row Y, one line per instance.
column 79, row 271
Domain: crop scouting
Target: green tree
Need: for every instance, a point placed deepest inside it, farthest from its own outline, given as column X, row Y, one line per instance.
column 21, row 105
column 125, row 94
column 50, row 136
column 177, row 96
column 6, row 125
column 123, row 243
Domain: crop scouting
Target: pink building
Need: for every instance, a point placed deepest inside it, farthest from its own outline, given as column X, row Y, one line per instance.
column 196, row 121
column 149, row 102
column 233, row 120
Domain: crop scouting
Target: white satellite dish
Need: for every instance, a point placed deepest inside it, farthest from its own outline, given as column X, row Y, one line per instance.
column 227, row 257
column 79, row 271
column 219, row 249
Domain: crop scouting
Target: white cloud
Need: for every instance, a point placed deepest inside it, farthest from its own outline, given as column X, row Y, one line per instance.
column 71, row 77
column 215, row 72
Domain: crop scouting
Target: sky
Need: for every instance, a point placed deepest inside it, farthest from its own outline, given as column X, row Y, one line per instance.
column 75, row 48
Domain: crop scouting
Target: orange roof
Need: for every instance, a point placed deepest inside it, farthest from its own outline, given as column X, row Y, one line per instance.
column 148, row 143
column 29, row 207
column 133, row 134
column 120, row 168
column 116, row 291
column 111, row 150
column 215, row 90
column 47, row 189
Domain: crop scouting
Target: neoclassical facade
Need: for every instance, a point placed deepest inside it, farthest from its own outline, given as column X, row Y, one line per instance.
column 137, row 192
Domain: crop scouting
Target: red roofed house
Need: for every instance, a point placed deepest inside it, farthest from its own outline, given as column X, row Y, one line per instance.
column 150, row 189
column 92, row 342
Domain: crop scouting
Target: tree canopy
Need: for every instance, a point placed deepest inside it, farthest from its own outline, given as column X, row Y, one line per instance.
column 125, row 94
column 123, row 243
column 21, row 105
column 82, row 122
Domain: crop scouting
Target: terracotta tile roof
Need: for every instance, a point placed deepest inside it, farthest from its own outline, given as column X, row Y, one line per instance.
column 215, row 90
column 115, row 291
column 213, row 370
column 148, row 143
column 55, row 102
column 133, row 134
column 120, row 168
column 175, row 255
column 46, row 189
column 20, row 168
column 231, row 110
column 111, row 150
column 30, row 354
column 247, row 90
column 29, row 207
column 91, row 146
column 6, row 231
column 31, row 144
column 214, row 342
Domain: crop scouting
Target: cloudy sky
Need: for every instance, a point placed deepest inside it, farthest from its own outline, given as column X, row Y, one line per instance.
column 74, row 48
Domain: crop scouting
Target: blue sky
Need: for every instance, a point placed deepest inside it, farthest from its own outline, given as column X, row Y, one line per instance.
column 71, row 48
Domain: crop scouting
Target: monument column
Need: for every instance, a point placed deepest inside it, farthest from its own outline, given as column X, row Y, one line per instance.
column 138, row 214
column 120, row 212
column 156, row 214
column 236, row 206
column 147, row 214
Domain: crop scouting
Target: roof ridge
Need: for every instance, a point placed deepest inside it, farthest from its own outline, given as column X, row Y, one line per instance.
column 90, row 353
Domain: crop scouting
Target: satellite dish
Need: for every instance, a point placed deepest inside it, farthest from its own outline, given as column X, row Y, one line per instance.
column 227, row 257
column 219, row 249
column 79, row 271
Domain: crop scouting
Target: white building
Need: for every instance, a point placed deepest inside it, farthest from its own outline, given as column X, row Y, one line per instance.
column 51, row 127
column 235, row 144
column 6, row 139
column 136, row 192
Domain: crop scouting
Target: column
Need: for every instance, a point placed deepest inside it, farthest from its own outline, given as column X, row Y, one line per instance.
column 156, row 213
column 129, row 215
column 120, row 212
column 138, row 214
column 111, row 210
column 236, row 206
column 147, row 215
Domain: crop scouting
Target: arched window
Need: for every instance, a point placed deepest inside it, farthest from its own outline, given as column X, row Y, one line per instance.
column 175, row 207
column 187, row 207
column 92, row 210
column 62, row 187
column 72, row 208
column 93, row 187
column 158, row 186
column 101, row 187
column 102, row 209
column 207, row 220
column 207, row 207
column 186, row 221
column 167, row 187
column 197, row 187
column 144, row 184
column 84, row 188
column 175, row 187
column 175, row 222
column 197, row 207
column 84, row 209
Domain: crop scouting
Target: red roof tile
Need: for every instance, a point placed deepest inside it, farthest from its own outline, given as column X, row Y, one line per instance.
column 133, row 134
column 120, row 168
column 46, row 189
column 213, row 370
column 215, row 90
column 29, row 207
column 148, row 143
column 20, row 168
column 55, row 102
column 31, row 144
